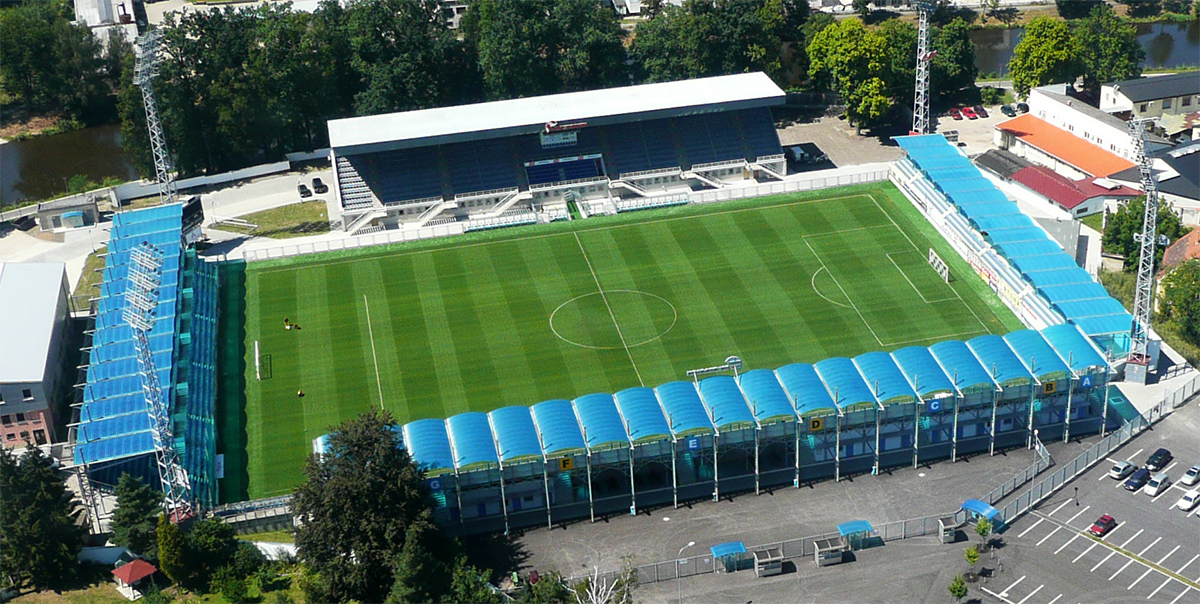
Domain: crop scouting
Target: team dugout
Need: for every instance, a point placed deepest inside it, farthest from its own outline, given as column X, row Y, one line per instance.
column 604, row 454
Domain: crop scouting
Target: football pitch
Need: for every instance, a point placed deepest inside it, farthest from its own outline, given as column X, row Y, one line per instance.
column 519, row 316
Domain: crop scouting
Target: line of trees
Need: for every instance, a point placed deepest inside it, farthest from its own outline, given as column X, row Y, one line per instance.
column 1098, row 48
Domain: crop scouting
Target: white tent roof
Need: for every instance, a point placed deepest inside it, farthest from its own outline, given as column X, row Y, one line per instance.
column 563, row 108
column 29, row 295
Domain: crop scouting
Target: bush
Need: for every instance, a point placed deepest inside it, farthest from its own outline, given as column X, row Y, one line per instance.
column 990, row 96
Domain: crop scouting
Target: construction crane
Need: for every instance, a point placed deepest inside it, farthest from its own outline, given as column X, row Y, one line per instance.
column 141, row 303
column 144, row 71
column 1140, row 362
column 921, row 123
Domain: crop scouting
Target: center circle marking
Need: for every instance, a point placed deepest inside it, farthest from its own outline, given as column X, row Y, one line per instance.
column 609, row 293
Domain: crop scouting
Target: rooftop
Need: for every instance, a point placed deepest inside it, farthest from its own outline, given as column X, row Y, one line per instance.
column 1084, row 108
column 29, row 294
column 1159, row 87
column 1177, row 171
column 1065, row 146
column 1063, row 191
column 502, row 116
column 1186, row 248
column 134, row 571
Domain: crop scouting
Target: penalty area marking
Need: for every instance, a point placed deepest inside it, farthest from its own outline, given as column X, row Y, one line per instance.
column 374, row 357
column 914, row 285
column 827, row 299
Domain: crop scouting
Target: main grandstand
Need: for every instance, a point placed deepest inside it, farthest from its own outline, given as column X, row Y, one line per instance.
column 481, row 163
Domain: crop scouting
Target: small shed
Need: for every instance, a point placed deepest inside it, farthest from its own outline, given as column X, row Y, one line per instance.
column 74, row 211
column 976, row 509
column 829, row 551
column 855, row 533
column 768, row 561
column 730, row 556
column 131, row 578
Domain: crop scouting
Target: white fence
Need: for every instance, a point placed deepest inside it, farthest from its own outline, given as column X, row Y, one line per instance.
column 349, row 243
column 311, row 155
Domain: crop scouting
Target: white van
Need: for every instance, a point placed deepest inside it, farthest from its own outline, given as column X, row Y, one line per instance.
column 1158, row 483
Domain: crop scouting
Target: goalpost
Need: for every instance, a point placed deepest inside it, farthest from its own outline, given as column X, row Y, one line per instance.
column 939, row 265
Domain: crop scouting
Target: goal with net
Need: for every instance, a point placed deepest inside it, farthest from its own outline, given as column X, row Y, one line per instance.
column 939, row 265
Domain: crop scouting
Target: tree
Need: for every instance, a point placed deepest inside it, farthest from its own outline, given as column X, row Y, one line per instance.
column 469, row 584
column 958, row 588
column 40, row 532
column 1076, row 9
column 971, row 554
column 849, row 58
column 360, row 503
column 551, row 588
column 862, row 7
column 953, row 69
column 1047, row 54
column 983, row 528
column 1109, row 49
column 171, row 551
column 134, row 522
column 1181, row 299
column 208, row 545
column 604, row 590
column 1127, row 221
column 900, row 68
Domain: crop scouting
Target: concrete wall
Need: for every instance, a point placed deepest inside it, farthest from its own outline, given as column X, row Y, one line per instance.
column 146, row 188
column 39, row 408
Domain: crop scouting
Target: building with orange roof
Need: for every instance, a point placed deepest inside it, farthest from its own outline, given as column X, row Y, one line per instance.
column 1041, row 143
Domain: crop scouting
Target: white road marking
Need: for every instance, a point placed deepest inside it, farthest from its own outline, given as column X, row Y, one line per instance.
column 1130, row 458
column 1002, row 598
column 1014, row 584
column 1122, row 569
column 1164, row 584
column 1079, row 513
column 1139, row 579
column 1085, row 552
column 1159, row 496
column 1168, row 468
column 1150, row 546
column 1040, row 520
column 1110, row 554
column 1185, row 590
column 1168, row 555
column 1109, row 534
column 1189, row 563
column 1055, row 599
column 1059, row 507
column 1122, row 546
column 1063, row 546
column 1056, row 529
column 1039, row 588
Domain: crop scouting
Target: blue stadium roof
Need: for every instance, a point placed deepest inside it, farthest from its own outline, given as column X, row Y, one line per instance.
column 1000, row 360
column 601, row 421
column 963, row 367
column 1038, row 356
column 1029, row 248
column 1062, row 276
column 978, row 183
column 995, row 223
column 805, row 387
column 1072, row 345
column 841, row 376
column 923, row 370
column 516, row 436
column 558, row 427
column 1016, row 235
column 1074, row 291
column 725, row 402
column 978, row 197
column 471, row 440
column 643, row 415
column 1045, row 262
column 1094, row 307
column 429, row 445
column 682, row 404
column 1106, row 325
column 885, row 378
column 767, row 398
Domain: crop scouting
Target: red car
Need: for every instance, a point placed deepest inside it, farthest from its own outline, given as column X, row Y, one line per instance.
column 1103, row 525
column 969, row 113
column 955, row 113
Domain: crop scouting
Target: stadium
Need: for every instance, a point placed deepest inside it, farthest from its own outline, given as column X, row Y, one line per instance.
column 593, row 360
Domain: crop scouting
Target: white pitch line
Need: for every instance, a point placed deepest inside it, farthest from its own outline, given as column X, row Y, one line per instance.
column 1040, row 520
column 1164, row 584
column 1114, row 576
column 1014, row 584
column 1039, row 588
column 1064, row 546
column 1056, row 529
column 614, row 316
column 1189, row 563
column 375, row 357
column 1139, row 579
column 1168, row 555
column 1085, row 552
column 1186, row 589
column 1110, row 554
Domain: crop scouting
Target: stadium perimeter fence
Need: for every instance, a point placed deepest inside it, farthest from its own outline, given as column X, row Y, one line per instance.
column 827, row 179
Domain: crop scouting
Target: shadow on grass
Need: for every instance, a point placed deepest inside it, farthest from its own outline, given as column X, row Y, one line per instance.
column 231, row 382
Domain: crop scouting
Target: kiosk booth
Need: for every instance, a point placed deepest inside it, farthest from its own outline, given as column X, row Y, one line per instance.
column 768, row 562
column 730, row 557
column 829, row 551
column 855, row 533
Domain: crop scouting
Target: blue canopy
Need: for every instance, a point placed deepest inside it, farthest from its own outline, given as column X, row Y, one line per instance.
column 1074, row 291
column 981, row 508
column 601, row 422
column 1029, row 248
column 962, row 365
column 1105, row 325
column 1073, row 346
column 1045, row 262
column 1003, row 222
column 558, row 427
column 1000, row 360
column 842, row 377
column 1015, row 235
column 429, row 445
column 643, row 416
column 889, row 383
column 471, row 440
column 805, row 387
column 682, row 404
column 732, row 548
column 922, row 371
column 767, row 398
column 725, row 402
column 985, row 196
column 1041, row 359
column 1062, row 276
column 854, row 527
column 515, row 434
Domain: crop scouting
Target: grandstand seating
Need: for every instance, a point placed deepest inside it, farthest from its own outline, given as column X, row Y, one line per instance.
column 480, row 166
column 399, row 175
column 758, row 129
column 564, row 171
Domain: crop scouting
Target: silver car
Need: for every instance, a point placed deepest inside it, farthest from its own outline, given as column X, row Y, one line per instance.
column 1121, row 470
column 1191, row 477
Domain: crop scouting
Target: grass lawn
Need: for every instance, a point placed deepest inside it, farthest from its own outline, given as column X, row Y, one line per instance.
column 520, row 316
column 269, row 537
column 89, row 281
column 1095, row 221
column 295, row 220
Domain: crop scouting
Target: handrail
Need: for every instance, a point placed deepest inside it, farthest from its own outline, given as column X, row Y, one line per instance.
column 718, row 164
column 486, row 193
column 563, row 183
column 654, row 172
column 411, row 202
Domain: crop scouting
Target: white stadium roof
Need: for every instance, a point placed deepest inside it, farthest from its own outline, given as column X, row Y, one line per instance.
column 536, row 111
column 29, row 294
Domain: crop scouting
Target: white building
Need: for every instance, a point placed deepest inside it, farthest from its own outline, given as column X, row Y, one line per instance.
column 1109, row 132
column 33, row 329
column 1153, row 96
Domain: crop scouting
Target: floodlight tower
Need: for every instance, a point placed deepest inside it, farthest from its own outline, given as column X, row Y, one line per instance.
column 144, row 71
column 141, row 302
column 924, row 55
column 1140, row 362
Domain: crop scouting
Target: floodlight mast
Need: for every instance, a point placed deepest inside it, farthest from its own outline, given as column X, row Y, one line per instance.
column 1139, row 354
column 921, row 94
column 144, row 71
column 141, row 302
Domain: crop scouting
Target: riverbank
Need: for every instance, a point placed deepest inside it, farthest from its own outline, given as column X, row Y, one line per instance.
column 19, row 125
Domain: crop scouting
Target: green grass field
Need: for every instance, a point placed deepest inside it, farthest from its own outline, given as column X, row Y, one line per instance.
column 519, row 316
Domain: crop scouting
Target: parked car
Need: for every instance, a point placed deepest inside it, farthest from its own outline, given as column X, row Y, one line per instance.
column 320, row 187
column 1158, row 483
column 1023, row 108
column 304, row 191
column 980, row 111
column 1121, row 470
column 1137, row 480
column 1188, row 501
column 1158, row 460
column 969, row 113
column 1008, row 110
column 955, row 113
column 1191, row 477
column 1103, row 525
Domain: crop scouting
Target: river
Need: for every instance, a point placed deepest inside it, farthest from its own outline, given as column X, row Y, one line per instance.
column 1168, row 45
column 40, row 167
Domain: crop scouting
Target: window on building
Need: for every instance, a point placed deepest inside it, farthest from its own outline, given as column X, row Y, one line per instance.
column 25, row 436
column 1166, row 103
column 1143, row 107
column 39, row 437
column 20, row 418
column 27, row 394
column 6, row 420
column 1186, row 102
column 12, row 436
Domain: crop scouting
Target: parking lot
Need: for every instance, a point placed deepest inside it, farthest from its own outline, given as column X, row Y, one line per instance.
column 1153, row 552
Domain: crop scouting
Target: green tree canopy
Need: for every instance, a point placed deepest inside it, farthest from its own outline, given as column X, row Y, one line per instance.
column 1109, row 48
column 41, row 530
column 136, row 518
column 171, row 555
column 958, row 588
column 366, row 519
column 1047, row 54
column 1126, row 222
column 1076, row 9
column 1181, row 300
column 853, row 61
column 953, row 69
column 208, row 545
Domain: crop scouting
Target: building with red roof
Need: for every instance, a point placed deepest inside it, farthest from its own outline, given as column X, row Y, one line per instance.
column 1184, row 249
column 1078, row 197
column 1041, row 143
